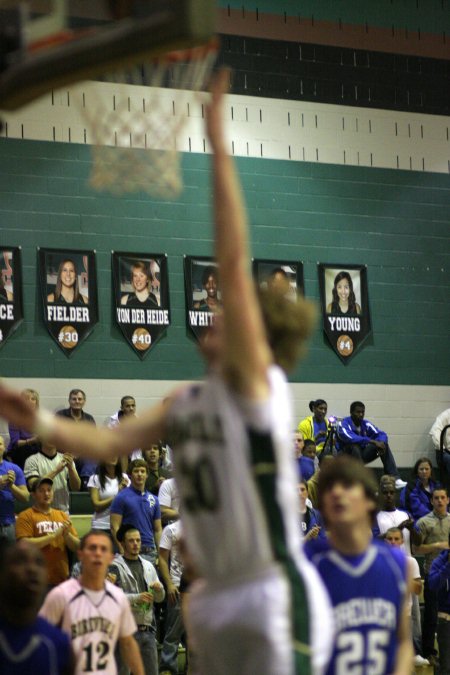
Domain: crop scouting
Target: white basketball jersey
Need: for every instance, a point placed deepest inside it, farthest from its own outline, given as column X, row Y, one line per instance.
column 93, row 621
column 236, row 477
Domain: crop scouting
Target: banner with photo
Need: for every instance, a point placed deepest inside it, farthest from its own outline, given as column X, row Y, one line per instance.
column 344, row 299
column 283, row 276
column 203, row 301
column 11, row 304
column 141, row 298
column 68, row 282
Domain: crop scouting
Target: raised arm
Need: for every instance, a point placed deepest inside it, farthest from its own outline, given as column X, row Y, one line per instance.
column 84, row 439
column 247, row 354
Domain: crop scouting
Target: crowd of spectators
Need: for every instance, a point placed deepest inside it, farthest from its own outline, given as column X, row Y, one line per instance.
column 135, row 499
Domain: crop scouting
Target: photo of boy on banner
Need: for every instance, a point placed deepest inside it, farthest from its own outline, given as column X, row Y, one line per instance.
column 11, row 306
column 141, row 298
column 201, row 277
column 68, row 283
column 345, row 307
column 279, row 275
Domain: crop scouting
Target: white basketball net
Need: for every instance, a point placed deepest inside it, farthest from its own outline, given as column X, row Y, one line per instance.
column 134, row 146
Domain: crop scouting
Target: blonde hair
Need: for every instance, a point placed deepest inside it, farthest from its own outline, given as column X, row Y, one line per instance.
column 288, row 325
column 33, row 393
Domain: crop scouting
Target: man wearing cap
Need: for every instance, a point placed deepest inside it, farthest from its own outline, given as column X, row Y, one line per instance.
column 50, row 529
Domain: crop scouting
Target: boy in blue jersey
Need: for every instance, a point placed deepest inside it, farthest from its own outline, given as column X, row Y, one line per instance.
column 366, row 579
column 29, row 645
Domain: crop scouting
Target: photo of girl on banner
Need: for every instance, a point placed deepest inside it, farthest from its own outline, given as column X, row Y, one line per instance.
column 280, row 276
column 141, row 298
column 203, row 302
column 68, row 282
column 11, row 307
column 345, row 307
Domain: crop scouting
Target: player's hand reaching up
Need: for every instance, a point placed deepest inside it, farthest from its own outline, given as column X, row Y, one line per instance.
column 16, row 409
column 220, row 84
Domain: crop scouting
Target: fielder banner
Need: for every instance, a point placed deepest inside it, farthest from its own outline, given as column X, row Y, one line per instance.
column 345, row 307
column 280, row 276
column 11, row 305
column 68, row 283
column 141, row 298
column 201, row 283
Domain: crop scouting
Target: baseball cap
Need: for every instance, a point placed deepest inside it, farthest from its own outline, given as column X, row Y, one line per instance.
column 40, row 481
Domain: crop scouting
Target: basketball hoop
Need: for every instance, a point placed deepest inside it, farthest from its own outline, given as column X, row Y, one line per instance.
column 134, row 146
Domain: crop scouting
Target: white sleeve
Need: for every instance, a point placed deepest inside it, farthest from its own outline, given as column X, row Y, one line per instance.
column 53, row 607
column 166, row 538
column 94, row 481
column 441, row 421
column 165, row 494
column 414, row 568
column 31, row 468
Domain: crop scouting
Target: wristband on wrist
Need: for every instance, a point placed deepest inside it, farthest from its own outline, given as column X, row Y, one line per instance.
column 45, row 425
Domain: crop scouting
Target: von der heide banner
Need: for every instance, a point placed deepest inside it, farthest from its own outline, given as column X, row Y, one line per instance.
column 345, row 307
column 141, row 298
column 11, row 305
column 68, row 283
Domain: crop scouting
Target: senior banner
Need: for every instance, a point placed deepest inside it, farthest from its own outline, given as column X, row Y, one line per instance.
column 68, row 283
column 283, row 276
column 203, row 301
column 141, row 298
column 345, row 307
column 11, row 305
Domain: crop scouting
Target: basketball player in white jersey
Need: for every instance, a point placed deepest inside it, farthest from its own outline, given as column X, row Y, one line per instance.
column 256, row 609
column 94, row 613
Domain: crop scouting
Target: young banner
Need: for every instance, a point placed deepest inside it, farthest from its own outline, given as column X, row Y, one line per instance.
column 68, row 282
column 345, row 307
column 11, row 306
column 141, row 298
column 201, row 277
column 281, row 275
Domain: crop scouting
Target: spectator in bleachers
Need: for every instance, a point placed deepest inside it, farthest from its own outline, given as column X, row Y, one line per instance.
column 416, row 495
column 171, row 569
column 127, row 410
column 307, row 461
column 138, row 579
column 316, row 426
column 441, row 421
column 434, row 529
column 390, row 516
column 12, row 486
column 75, row 412
column 299, row 443
column 311, row 521
column 103, row 487
column 60, row 468
column 135, row 505
column 361, row 439
column 50, row 529
column 394, row 537
column 21, row 443
column 156, row 473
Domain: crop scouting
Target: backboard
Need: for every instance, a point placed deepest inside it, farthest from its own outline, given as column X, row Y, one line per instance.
column 47, row 44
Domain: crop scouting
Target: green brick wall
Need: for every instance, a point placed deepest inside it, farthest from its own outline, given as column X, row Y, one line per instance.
column 395, row 222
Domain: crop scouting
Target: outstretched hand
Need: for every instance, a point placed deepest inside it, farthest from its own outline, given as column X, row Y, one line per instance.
column 220, row 84
column 16, row 410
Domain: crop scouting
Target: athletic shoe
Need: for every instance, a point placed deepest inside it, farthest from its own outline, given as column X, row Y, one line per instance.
column 400, row 484
column 420, row 661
